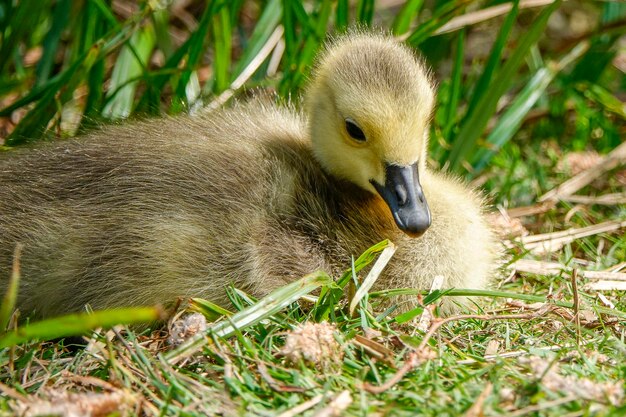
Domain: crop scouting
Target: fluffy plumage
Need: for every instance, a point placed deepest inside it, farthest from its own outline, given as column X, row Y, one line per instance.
column 256, row 195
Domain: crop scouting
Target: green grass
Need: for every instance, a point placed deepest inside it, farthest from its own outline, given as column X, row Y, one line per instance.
column 507, row 117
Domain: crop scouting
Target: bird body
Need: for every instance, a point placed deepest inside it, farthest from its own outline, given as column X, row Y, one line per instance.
column 256, row 195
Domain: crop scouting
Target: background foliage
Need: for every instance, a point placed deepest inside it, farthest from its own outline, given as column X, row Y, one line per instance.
column 65, row 65
column 524, row 87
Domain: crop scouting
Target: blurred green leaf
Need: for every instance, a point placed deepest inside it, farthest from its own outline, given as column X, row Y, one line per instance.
column 342, row 18
column 479, row 115
column 78, row 324
column 160, row 19
column 595, row 61
column 454, row 92
column 60, row 18
column 106, row 11
column 22, row 17
column 365, row 12
column 613, row 11
column 495, row 57
column 403, row 19
column 131, row 63
column 441, row 16
column 509, row 123
column 603, row 97
column 409, row 315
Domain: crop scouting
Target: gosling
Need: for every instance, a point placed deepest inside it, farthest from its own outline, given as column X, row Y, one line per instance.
column 256, row 196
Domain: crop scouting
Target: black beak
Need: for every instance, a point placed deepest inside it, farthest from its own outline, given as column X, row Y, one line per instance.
column 404, row 195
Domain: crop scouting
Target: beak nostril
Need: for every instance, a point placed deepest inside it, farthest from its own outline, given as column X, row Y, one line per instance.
column 401, row 195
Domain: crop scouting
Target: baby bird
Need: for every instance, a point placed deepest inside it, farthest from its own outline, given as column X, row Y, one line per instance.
column 257, row 195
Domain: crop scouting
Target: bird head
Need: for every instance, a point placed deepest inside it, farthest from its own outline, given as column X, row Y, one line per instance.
column 370, row 102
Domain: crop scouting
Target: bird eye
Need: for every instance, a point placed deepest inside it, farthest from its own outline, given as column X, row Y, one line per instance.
column 354, row 131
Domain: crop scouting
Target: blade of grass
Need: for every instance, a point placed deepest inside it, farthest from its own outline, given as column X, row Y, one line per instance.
column 372, row 276
column 34, row 95
column 330, row 295
column 106, row 12
column 307, row 23
column 613, row 11
column 457, row 292
column 597, row 59
column 294, row 14
column 190, row 52
column 88, row 38
column 270, row 47
column 130, row 63
column 210, row 310
column 265, row 308
column 411, row 314
column 95, row 97
column 455, row 87
column 9, row 84
column 314, row 40
column 265, row 27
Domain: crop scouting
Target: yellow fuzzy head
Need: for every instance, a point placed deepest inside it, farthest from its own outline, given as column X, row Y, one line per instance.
column 370, row 102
